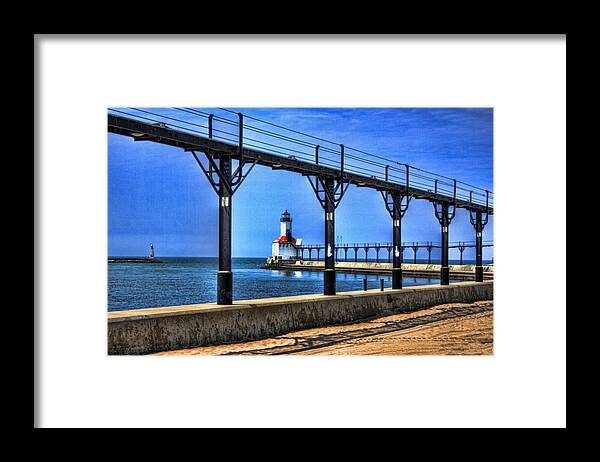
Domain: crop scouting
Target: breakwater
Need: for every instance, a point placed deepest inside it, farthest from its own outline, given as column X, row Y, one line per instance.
column 133, row 260
column 408, row 269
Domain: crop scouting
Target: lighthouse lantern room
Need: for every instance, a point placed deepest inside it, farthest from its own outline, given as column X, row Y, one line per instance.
column 285, row 246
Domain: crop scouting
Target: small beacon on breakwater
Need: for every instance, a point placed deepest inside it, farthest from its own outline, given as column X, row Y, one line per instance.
column 150, row 259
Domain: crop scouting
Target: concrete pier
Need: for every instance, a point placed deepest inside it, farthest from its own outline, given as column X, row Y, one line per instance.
column 161, row 329
column 466, row 272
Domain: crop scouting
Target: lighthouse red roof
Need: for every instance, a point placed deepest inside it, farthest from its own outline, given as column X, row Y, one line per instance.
column 285, row 239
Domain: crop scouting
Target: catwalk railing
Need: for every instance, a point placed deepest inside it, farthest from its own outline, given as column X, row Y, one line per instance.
column 305, row 251
column 270, row 138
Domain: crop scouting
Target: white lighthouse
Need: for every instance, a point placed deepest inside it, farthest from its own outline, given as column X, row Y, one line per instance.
column 285, row 246
column 286, row 225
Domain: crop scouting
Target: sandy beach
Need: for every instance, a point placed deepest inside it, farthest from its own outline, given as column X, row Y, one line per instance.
column 450, row 329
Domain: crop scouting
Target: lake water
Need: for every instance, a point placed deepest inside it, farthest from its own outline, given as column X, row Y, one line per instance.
column 183, row 281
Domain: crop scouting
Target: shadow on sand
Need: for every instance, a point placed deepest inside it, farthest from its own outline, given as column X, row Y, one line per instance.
column 324, row 340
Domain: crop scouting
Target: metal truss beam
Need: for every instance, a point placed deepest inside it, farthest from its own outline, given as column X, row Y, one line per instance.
column 193, row 142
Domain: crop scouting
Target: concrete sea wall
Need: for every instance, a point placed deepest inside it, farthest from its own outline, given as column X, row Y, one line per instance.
column 160, row 329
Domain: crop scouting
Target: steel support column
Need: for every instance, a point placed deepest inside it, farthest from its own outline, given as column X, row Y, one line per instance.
column 396, row 243
column 225, row 183
column 329, row 192
column 478, row 247
column 396, row 204
column 329, row 273
column 479, row 223
column 224, row 276
column 445, row 212
column 445, row 269
column 461, row 249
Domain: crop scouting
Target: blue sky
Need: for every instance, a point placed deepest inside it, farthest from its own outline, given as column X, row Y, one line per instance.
column 158, row 194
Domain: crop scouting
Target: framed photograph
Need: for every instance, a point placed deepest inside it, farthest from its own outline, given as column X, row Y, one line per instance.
column 260, row 230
